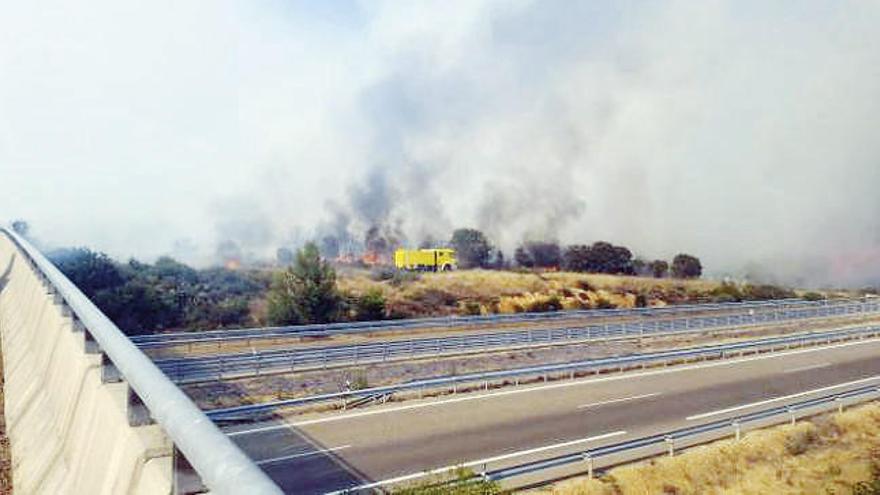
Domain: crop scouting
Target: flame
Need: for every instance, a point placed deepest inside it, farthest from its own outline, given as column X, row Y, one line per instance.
column 232, row 264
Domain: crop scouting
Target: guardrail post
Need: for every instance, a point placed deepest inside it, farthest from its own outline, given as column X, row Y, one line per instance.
column 589, row 459
column 791, row 412
column 737, row 430
column 839, row 402
column 670, row 443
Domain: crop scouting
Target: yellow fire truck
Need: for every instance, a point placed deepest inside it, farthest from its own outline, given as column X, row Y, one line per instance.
column 430, row 260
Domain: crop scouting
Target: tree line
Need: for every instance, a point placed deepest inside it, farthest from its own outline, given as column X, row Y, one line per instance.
column 143, row 298
column 474, row 250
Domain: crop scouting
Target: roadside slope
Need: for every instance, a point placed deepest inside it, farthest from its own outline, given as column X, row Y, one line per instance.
column 830, row 454
column 5, row 455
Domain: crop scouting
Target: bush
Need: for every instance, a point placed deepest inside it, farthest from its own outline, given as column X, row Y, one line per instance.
column 545, row 305
column 471, row 308
column 382, row 273
column 726, row 292
column 464, row 483
column 370, row 306
column 766, row 292
column 602, row 303
column 799, row 442
column 813, row 296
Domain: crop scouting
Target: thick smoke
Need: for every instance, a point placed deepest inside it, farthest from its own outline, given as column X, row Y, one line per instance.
column 743, row 132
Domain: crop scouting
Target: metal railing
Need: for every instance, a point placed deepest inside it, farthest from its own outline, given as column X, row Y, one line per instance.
column 569, row 370
column 661, row 443
column 323, row 330
column 255, row 363
column 219, row 463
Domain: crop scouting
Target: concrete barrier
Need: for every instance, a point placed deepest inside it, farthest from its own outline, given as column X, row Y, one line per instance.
column 69, row 432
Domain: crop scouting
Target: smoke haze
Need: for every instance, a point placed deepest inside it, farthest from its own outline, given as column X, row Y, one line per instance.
column 744, row 132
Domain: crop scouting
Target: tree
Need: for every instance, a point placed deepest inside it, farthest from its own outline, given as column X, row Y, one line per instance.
column 541, row 254
column 21, row 227
column 90, row 271
column 659, row 268
column 576, row 258
column 305, row 292
column 523, row 258
column 472, row 248
column 686, row 266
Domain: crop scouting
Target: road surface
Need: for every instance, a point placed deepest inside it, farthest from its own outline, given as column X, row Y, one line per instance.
column 318, row 454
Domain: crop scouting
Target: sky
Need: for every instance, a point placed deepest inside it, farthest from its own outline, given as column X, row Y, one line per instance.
column 743, row 132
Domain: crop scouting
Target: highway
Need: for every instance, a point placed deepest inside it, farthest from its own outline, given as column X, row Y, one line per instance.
column 317, row 454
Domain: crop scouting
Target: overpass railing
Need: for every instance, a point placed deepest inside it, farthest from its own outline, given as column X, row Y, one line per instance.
column 220, row 465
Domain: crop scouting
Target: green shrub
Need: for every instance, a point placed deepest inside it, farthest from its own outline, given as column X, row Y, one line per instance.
column 471, row 308
column 766, row 292
column 464, row 483
column 370, row 306
column 813, row 296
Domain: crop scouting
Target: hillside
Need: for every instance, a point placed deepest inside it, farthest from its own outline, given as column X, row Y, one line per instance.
column 486, row 291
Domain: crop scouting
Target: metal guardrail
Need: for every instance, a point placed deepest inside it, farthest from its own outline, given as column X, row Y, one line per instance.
column 322, row 330
column 666, row 442
column 255, row 363
column 221, row 465
column 570, row 369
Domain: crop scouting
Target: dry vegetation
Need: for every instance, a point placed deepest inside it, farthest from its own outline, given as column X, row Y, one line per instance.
column 485, row 291
column 833, row 454
column 5, row 457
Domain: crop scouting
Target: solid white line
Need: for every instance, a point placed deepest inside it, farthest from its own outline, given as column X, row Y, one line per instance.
column 585, row 381
column 480, row 462
column 302, row 454
column 614, row 401
column 777, row 399
column 805, row 368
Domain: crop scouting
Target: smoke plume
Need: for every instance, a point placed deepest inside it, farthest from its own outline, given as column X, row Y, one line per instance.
column 742, row 132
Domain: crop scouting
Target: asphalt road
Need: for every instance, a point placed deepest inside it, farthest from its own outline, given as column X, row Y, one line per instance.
column 318, row 454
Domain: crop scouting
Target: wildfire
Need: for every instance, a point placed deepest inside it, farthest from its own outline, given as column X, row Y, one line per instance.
column 232, row 264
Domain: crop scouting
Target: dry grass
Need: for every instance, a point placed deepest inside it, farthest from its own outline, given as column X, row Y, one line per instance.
column 5, row 456
column 509, row 292
column 829, row 455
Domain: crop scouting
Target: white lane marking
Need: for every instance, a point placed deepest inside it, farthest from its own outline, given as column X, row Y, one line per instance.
column 302, row 454
column 777, row 399
column 805, row 368
column 480, row 462
column 614, row 401
column 585, row 381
